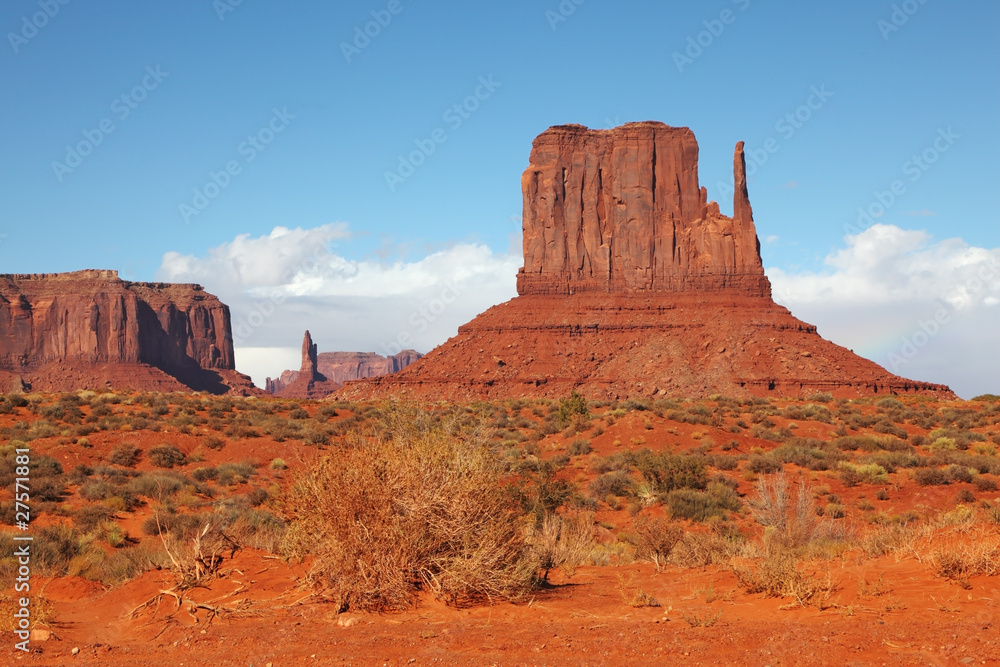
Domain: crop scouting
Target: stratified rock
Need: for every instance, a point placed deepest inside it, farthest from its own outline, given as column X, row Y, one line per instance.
column 89, row 329
column 308, row 382
column 621, row 211
column 340, row 367
column 635, row 285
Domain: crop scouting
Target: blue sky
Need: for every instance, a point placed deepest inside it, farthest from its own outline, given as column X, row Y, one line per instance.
column 223, row 72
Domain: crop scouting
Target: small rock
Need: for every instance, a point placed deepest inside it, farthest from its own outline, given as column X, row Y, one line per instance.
column 75, row 650
column 40, row 635
column 348, row 622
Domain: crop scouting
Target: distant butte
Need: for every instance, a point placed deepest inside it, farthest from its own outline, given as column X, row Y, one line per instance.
column 634, row 284
column 327, row 371
column 90, row 329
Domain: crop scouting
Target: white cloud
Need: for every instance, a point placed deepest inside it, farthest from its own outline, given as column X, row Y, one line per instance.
column 290, row 280
column 261, row 362
column 883, row 293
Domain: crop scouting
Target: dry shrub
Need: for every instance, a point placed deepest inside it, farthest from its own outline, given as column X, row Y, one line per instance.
column 633, row 595
column 696, row 550
column 888, row 539
column 563, row 541
column 778, row 574
column 790, row 520
column 655, row 538
column 967, row 556
column 126, row 564
column 197, row 559
column 991, row 510
column 413, row 508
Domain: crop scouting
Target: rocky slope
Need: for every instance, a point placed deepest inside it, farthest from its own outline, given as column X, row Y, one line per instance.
column 634, row 285
column 89, row 329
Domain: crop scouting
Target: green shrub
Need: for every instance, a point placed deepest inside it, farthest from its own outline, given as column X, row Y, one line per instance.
column 667, row 472
column 763, row 464
column 834, row 511
column 257, row 497
column 702, row 505
column 615, row 483
column 156, row 486
column 213, row 442
column 984, row 483
column 965, row 496
column 570, row 407
column 930, row 476
column 166, row 456
column 579, row 447
column 235, row 473
column 957, row 473
column 204, row 474
column 90, row 516
column 125, row 454
column 868, row 473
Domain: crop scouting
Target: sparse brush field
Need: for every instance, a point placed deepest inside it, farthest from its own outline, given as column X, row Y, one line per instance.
column 173, row 513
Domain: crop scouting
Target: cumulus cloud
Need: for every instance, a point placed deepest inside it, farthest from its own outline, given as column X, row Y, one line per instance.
column 924, row 309
column 290, row 280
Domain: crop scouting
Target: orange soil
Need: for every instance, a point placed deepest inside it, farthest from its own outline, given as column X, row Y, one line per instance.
column 905, row 615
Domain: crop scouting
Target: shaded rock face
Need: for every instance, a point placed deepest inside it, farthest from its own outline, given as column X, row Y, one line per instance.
column 622, row 211
column 308, row 382
column 634, row 284
column 64, row 331
column 336, row 368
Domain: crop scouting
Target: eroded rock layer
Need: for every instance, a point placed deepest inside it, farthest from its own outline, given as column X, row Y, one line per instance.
column 86, row 329
column 340, row 367
column 634, row 284
column 619, row 346
column 308, row 382
column 621, row 211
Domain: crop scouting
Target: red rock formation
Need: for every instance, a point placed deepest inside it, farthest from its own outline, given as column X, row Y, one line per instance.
column 308, row 382
column 621, row 211
column 635, row 285
column 340, row 367
column 64, row 331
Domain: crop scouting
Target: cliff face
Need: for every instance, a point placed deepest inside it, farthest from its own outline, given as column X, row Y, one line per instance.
column 308, row 382
column 91, row 319
column 634, row 284
column 340, row 367
column 621, row 211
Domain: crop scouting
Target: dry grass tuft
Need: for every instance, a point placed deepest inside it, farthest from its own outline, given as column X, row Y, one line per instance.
column 633, row 595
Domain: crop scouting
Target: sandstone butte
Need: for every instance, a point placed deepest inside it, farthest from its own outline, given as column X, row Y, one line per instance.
column 90, row 329
column 634, row 284
column 322, row 374
column 308, row 382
